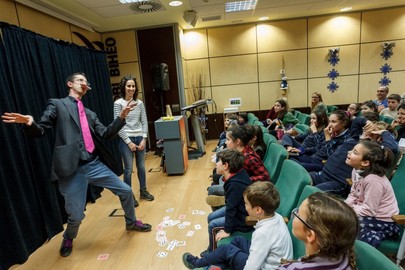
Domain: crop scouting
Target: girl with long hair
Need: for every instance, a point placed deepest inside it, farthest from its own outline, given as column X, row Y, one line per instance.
column 311, row 141
column 371, row 195
column 328, row 227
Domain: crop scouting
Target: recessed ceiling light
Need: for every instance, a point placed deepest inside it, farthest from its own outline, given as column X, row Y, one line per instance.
column 263, row 18
column 346, row 9
column 175, row 3
column 240, row 5
column 129, row 1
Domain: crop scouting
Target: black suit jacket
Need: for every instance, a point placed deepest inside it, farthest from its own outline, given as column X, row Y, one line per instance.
column 62, row 116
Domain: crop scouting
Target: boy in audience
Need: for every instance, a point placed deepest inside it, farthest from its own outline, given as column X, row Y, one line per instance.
column 230, row 119
column 271, row 240
column 236, row 179
column 393, row 103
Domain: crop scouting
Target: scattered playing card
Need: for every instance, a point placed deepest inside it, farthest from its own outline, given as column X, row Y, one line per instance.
column 190, row 233
column 163, row 242
column 181, row 226
column 162, row 254
column 166, row 217
column 169, row 210
column 197, row 227
column 202, row 213
column 187, row 223
column 103, row 257
column 194, row 212
column 182, row 216
column 181, row 243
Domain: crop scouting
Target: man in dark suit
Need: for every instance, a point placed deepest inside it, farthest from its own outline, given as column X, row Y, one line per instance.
column 76, row 157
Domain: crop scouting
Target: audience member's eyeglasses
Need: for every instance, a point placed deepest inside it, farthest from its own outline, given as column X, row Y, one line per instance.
column 294, row 213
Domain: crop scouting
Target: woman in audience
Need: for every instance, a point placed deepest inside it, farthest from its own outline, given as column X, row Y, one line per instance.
column 272, row 114
column 317, row 103
column 285, row 120
column 328, row 227
column 335, row 134
column 309, row 142
column 371, row 195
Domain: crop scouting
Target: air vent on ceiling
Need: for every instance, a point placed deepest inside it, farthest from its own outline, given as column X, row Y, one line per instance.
column 211, row 18
column 145, row 6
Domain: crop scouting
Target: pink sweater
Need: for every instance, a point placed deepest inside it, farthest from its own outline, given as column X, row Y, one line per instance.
column 373, row 196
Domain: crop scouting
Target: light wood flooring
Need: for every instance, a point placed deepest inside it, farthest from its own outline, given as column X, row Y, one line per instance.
column 103, row 242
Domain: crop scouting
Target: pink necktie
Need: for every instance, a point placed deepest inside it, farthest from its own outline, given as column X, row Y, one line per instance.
column 88, row 140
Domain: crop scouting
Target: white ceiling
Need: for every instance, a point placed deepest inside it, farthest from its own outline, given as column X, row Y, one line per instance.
column 111, row 15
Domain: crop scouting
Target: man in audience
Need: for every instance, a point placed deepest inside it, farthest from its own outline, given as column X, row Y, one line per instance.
column 381, row 101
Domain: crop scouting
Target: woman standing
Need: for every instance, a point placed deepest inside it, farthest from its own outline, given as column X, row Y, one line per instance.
column 133, row 135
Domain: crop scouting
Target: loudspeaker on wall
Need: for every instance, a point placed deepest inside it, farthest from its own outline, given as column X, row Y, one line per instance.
column 160, row 76
column 190, row 16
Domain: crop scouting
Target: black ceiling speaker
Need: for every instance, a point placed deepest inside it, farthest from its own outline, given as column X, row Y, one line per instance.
column 190, row 16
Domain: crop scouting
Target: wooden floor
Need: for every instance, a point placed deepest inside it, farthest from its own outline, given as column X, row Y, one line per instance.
column 103, row 242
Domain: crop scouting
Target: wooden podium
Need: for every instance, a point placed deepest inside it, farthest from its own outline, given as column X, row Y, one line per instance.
column 173, row 133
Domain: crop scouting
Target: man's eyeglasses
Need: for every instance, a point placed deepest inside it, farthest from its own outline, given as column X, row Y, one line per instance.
column 294, row 213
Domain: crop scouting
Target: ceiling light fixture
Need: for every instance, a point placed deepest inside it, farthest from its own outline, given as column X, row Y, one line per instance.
column 346, row 9
column 263, row 18
column 240, row 5
column 129, row 1
column 175, row 3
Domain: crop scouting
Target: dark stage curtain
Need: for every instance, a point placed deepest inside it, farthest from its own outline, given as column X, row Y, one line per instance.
column 33, row 68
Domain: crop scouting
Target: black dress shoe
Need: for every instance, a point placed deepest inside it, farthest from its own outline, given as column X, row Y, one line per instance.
column 66, row 247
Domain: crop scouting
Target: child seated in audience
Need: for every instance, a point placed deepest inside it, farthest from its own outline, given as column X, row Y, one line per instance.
column 270, row 242
column 354, row 110
column 230, row 119
column 311, row 141
column 335, row 134
column 399, row 123
column 242, row 119
column 236, row 179
column 393, row 103
column 369, row 106
column 257, row 142
column 237, row 138
column 371, row 195
column 335, row 172
column 328, row 227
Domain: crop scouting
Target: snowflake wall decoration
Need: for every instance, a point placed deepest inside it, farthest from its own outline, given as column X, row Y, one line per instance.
column 333, row 74
column 334, row 56
column 385, row 69
column 332, row 87
column 387, row 50
column 385, row 81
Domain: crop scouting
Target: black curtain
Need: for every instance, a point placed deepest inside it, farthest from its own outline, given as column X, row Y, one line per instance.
column 33, row 68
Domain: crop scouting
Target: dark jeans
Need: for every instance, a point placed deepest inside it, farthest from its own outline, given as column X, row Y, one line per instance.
column 234, row 255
